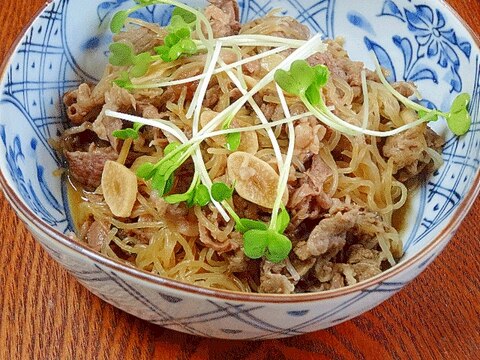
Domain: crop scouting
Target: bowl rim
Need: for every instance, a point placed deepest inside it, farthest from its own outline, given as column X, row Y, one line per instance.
column 32, row 220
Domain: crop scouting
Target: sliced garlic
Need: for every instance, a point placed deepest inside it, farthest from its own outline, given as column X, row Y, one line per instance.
column 254, row 179
column 119, row 186
column 248, row 140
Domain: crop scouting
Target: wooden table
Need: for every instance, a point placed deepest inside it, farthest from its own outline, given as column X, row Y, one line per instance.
column 46, row 314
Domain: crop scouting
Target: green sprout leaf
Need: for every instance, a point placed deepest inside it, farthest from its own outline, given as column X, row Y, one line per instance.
column 171, row 147
column 159, row 182
column 322, row 74
column 118, row 21
column 233, row 141
column 303, row 80
column 170, row 40
column 121, row 54
column 178, row 42
column 146, row 171
column 313, row 93
column 163, row 51
column 141, row 64
column 175, row 52
column 197, row 194
column 283, row 219
column 162, row 176
column 130, row 133
column 124, row 80
column 186, row 15
column 255, row 243
column 244, row 225
column 165, row 166
column 459, row 119
column 125, row 134
column 297, row 80
column 221, row 191
column 177, row 198
column 202, row 196
column 278, row 248
column 179, row 26
column 274, row 246
column 169, row 184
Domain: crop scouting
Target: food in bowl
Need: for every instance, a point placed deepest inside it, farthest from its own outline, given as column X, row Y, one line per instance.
column 248, row 157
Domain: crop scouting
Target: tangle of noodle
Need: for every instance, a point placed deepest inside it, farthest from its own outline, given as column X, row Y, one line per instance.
column 167, row 239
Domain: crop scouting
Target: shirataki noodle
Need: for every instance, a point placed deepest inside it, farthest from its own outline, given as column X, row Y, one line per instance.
column 342, row 190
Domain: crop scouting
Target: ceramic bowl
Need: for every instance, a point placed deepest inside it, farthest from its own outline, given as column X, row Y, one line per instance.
column 421, row 41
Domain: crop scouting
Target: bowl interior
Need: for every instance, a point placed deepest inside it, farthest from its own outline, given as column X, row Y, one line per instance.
column 420, row 41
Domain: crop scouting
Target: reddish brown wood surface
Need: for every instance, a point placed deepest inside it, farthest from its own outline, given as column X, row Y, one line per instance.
column 46, row 314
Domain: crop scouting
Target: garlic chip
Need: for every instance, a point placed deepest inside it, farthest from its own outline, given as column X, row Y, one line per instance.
column 119, row 186
column 254, row 179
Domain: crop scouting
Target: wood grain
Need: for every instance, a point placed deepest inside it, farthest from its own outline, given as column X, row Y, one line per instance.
column 46, row 314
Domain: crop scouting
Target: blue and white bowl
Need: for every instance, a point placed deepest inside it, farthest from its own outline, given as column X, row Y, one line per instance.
column 421, row 41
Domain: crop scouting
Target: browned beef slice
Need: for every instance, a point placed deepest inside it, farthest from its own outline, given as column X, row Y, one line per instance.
column 272, row 281
column 281, row 26
column 86, row 166
column 223, row 16
column 96, row 234
column 407, row 150
column 340, row 65
column 238, row 262
column 328, row 237
column 296, row 30
column 275, row 284
column 82, row 105
column 308, row 200
column 407, row 89
column 366, row 262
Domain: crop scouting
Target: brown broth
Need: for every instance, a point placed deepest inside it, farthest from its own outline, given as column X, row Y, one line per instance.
column 399, row 217
column 75, row 199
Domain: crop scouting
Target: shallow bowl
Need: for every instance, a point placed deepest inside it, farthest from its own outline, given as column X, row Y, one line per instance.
column 421, row 41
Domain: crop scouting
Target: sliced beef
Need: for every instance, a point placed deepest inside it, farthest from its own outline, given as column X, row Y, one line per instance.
column 407, row 89
column 408, row 152
column 369, row 227
column 362, row 264
column 309, row 133
column 116, row 99
column 307, row 199
column 82, row 105
column 96, row 234
column 238, row 262
column 434, row 140
column 344, row 68
column 86, row 167
column 223, row 15
column 272, row 281
column 328, row 237
column 366, row 263
column 340, row 64
column 281, row 26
